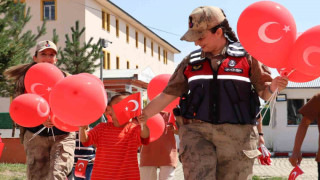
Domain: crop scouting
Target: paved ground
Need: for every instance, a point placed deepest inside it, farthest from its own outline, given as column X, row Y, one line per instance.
column 280, row 168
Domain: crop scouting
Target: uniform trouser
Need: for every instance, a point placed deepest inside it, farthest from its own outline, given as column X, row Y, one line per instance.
column 150, row 173
column 218, row 152
column 48, row 159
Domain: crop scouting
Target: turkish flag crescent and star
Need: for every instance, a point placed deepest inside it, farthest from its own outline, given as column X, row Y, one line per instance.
column 80, row 169
column 128, row 108
column 295, row 173
column 1, row 146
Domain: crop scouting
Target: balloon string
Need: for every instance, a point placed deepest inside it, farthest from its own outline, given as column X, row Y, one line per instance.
column 273, row 103
column 37, row 133
column 267, row 103
column 54, row 139
column 291, row 72
column 270, row 103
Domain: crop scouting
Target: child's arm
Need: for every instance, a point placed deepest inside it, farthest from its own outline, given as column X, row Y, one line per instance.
column 83, row 133
column 296, row 156
column 144, row 130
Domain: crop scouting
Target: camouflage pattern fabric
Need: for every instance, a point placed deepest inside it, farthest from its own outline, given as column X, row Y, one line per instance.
column 223, row 152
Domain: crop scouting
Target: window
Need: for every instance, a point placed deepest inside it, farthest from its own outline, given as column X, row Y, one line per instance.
column 118, row 62
column 117, row 27
column 137, row 39
column 108, row 22
column 103, row 19
column 293, row 106
column 128, row 65
column 165, row 60
column 48, row 9
column 159, row 53
column 145, row 44
column 106, row 59
column 127, row 32
column 151, row 48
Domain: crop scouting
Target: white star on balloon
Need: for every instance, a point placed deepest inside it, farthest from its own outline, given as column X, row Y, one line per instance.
column 126, row 108
column 49, row 89
column 286, row 28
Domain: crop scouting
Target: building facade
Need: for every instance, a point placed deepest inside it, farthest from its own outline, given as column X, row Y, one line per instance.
column 133, row 54
column 280, row 132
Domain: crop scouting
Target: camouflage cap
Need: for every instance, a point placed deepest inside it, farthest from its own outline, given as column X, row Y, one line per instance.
column 42, row 45
column 201, row 19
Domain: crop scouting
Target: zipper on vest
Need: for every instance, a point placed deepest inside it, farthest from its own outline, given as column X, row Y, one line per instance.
column 214, row 87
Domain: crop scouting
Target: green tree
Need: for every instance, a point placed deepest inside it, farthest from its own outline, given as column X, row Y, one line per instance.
column 77, row 59
column 15, row 42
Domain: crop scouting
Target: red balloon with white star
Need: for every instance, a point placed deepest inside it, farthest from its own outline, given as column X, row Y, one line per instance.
column 267, row 30
column 41, row 78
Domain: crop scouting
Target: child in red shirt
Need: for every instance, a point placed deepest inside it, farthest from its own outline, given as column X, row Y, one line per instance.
column 117, row 145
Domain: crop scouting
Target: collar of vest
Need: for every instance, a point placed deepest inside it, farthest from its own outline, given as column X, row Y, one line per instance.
column 234, row 49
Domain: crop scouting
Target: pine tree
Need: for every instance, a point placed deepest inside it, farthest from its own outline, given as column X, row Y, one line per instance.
column 77, row 59
column 14, row 42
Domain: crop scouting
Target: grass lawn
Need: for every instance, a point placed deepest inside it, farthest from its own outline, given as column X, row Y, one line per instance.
column 268, row 178
column 13, row 171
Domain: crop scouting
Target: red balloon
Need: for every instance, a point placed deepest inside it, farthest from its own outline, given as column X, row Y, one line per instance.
column 29, row 110
column 41, row 78
column 92, row 76
column 98, row 80
column 62, row 125
column 305, row 54
column 156, row 86
column 156, row 127
column 267, row 31
column 78, row 100
column 295, row 75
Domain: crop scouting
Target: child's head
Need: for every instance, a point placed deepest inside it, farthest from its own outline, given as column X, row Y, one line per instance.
column 46, row 51
column 114, row 100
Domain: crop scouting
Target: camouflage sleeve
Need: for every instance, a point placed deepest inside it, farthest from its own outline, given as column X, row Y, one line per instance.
column 260, row 74
column 178, row 83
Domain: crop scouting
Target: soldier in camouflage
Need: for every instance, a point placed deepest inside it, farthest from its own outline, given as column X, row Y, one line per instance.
column 219, row 86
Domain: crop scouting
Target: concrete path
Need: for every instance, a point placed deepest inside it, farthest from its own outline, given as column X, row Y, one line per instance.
column 280, row 168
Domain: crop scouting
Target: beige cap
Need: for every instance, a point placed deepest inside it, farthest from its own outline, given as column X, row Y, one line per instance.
column 201, row 19
column 42, row 45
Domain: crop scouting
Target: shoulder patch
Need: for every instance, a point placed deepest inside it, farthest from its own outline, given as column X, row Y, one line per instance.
column 236, row 50
column 195, row 57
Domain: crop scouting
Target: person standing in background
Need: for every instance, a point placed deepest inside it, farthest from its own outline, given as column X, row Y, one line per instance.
column 50, row 154
column 161, row 153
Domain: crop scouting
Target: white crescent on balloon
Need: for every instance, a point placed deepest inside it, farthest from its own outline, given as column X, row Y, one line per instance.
column 41, row 113
column 262, row 33
column 136, row 105
column 33, row 86
column 308, row 51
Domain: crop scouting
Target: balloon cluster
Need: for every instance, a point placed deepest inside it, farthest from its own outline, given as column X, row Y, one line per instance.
column 267, row 30
column 156, row 124
column 70, row 101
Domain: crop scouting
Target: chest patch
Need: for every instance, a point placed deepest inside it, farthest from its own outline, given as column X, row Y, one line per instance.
column 197, row 67
column 232, row 63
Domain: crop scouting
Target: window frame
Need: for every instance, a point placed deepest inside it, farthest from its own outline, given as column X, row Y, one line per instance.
column 42, row 10
column 117, row 62
column 117, row 27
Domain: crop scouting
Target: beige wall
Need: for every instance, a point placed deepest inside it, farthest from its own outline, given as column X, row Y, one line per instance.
column 88, row 12
column 68, row 12
column 4, row 104
column 119, row 47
